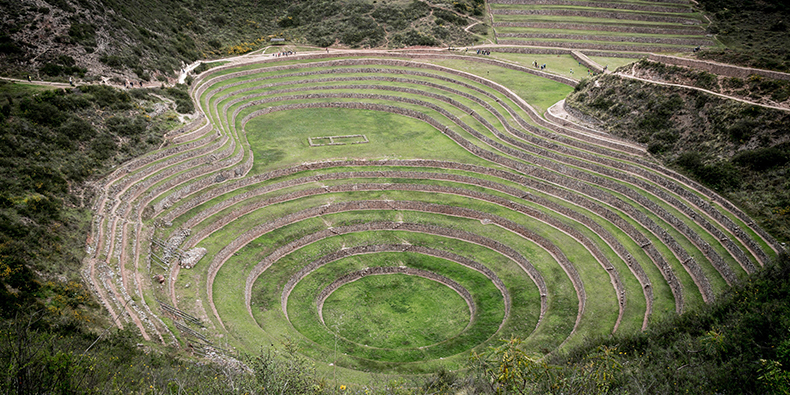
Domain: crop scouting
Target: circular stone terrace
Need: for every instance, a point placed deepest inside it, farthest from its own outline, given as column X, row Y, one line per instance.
column 389, row 214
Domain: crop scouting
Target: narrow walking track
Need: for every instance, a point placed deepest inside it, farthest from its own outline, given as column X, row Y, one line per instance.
column 623, row 75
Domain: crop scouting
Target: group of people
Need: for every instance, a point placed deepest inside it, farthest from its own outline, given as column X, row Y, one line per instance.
column 288, row 53
column 542, row 66
column 483, row 52
column 130, row 84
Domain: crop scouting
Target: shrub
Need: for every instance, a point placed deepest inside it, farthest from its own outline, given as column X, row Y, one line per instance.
column 77, row 129
column 762, row 158
column 41, row 112
column 83, row 33
column 719, row 175
column 742, row 130
column 449, row 17
column 127, row 126
column 184, row 106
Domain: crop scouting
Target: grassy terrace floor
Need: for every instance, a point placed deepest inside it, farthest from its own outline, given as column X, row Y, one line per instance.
column 463, row 200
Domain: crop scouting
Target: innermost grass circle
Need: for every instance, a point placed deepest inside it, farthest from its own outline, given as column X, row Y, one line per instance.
column 396, row 311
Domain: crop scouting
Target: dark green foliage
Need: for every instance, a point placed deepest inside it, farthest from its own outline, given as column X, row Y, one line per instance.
column 763, row 158
column 47, row 354
column 8, row 46
column 126, row 126
column 107, row 97
column 147, row 35
column 714, row 349
column 443, row 17
column 441, row 382
column 742, row 130
column 414, row 37
column 62, row 4
column 49, row 143
column 63, row 65
column 658, row 113
column 754, row 32
column 181, row 97
column 581, row 85
column 83, row 33
column 716, row 174
column 701, row 134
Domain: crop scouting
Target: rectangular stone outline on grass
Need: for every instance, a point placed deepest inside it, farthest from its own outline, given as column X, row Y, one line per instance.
column 332, row 141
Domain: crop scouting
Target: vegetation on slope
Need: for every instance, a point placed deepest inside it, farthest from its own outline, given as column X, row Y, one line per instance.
column 740, row 344
column 755, row 32
column 52, row 142
column 148, row 39
column 738, row 149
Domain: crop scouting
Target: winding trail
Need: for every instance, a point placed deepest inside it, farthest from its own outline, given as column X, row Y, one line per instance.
column 623, row 75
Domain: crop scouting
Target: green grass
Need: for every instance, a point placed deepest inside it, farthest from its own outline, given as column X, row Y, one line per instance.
column 280, row 139
column 417, row 344
column 539, row 92
column 638, row 46
column 396, row 311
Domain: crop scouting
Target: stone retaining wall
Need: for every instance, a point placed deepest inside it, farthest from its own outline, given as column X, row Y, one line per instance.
column 715, row 259
column 612, row 217
column 632, row 39
column 375, row 271
column 604, row 28
column 563, row 51
column 594, row 46
column 629, row 16
column 261, row 229
column 595, row 4
column 502, row 249
column 518, row 166
column 371, row 271
column 622, row 174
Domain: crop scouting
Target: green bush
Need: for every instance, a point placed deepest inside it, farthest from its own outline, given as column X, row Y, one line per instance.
column 719, row 175
column 83, row 33
column 742, row 130
column 443, row 16
column 126, row 127
column 762, row 159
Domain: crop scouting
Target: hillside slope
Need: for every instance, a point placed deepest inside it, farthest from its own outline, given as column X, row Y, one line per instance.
column 741, row 150
column 148, row 40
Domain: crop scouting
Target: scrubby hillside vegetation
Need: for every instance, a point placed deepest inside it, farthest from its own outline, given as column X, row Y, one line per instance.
column 755, row 32
column 53, row 142
column 740, row 150
column 145, row 39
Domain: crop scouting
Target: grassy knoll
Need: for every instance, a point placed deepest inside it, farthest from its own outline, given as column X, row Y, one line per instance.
column 422, row 312
column 420, row 342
